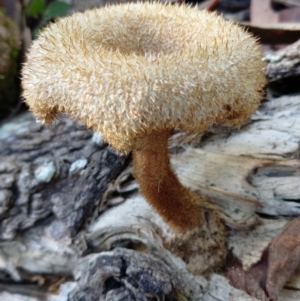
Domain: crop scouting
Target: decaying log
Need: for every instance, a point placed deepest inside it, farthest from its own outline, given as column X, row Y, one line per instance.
column 66, row 198
column 43, row 167
column 73, row 225
column 63, row 196
column 284, row 63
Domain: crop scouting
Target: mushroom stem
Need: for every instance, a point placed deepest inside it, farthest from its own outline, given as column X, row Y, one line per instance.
column 161, row 187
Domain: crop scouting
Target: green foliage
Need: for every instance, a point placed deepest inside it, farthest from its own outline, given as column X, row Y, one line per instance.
column 46, row 12
column 35, row 8
column 55, row 9
column 9, row 56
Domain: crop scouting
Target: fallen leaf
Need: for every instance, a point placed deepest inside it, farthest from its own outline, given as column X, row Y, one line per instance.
column 265, row 279
column 284, row 258
column 251, row 281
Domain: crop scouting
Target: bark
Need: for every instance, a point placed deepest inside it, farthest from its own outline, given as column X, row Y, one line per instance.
column 75, row 227
column 60, row 171
column 284, row 63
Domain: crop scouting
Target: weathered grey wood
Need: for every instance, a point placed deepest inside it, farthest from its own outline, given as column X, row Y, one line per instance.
column 57, row 171
column 52, row 182
column 255, row 169
column 284, row 63
column 64, row 194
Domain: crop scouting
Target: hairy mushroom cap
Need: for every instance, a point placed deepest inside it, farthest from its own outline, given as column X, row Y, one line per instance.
column 131, row 69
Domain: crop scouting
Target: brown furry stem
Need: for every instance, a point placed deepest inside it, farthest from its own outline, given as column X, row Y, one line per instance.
column 160, row 186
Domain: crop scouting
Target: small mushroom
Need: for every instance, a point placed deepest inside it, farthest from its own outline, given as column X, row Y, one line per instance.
column 136, row 72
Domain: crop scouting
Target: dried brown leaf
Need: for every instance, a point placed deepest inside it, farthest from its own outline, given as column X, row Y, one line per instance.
column 251, row 281
column 284, row 258
column 265, row 279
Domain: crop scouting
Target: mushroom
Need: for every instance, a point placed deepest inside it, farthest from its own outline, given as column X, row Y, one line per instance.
column 136, row 72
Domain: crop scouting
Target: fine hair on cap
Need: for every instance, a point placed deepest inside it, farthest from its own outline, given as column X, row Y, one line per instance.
column 131, row 69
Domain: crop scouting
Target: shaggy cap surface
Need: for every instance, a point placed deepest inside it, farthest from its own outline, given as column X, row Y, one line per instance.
column 130, row 69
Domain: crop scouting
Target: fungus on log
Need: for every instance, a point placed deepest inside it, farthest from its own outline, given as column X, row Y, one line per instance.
column 136, row 72
column 262, row 158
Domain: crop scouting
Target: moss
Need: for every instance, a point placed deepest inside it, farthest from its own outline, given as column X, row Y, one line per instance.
column 10, row 43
